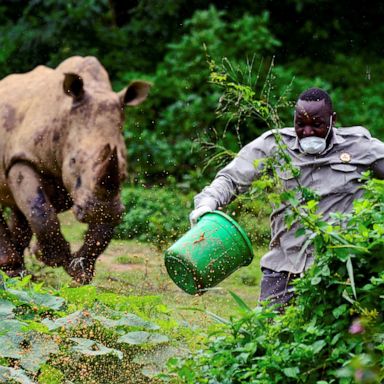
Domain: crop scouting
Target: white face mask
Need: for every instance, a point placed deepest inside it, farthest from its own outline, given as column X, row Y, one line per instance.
column 313, row 144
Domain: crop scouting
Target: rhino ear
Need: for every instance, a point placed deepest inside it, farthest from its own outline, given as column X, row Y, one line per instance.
column 107, row 178
column 73, row 86
column 135, row 93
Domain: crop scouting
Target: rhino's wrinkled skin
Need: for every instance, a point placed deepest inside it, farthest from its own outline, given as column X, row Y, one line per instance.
column 61, row 146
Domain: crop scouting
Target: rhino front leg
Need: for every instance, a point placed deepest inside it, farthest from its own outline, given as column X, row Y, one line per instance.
column 29, row 194
column 11, row 260
column 20, row 230
column 82, row 265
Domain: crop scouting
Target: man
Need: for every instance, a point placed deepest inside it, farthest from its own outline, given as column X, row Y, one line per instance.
column 330, row 160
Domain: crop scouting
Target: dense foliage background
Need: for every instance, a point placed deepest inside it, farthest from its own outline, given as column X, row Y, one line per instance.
column 319, row 43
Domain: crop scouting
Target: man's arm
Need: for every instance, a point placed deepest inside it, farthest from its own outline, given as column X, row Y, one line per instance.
column 378, row 169
column 234, row 179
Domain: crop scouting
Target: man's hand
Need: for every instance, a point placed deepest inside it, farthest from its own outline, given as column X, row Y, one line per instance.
column 194, row 215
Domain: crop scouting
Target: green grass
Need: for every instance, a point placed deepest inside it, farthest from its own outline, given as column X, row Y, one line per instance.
column 129, row 259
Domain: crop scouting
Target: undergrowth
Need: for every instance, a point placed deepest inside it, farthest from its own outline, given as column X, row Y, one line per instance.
column 333, row 333
column 81, row 335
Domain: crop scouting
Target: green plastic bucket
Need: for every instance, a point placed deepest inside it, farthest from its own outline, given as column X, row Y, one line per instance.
column 209, row 252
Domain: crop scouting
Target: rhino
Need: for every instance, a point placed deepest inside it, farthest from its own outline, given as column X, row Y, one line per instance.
column 62, row 148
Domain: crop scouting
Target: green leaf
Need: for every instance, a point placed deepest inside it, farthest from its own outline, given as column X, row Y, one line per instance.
column 300, row 232
column 76, row 319
column 32, row 349
column 39, row 299
column 312, row 204
column 347, row 297
column 315, row 280
column 325, row 271
column 41, row 347
column 93, row 348
column 51, row 375
column 337, row 312
column 36, row 326
column 318, row 345
column 351, row 276
column 143, row 337
column 6, row 309
column 336, row 338
column 11, row 326
column 128, row 320
column 154, row 361
column 11, row 345
column 16, row 375
column 291, row 372
column 240, row 302
column 219, row 319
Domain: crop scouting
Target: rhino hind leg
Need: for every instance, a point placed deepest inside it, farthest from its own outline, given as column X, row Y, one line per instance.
column 29, row 194
column 11, row 260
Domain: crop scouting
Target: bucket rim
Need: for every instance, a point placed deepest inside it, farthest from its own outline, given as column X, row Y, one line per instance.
column 237, row 226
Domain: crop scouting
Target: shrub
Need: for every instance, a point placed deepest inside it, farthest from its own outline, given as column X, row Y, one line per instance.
column 156, row 215
column 162, row 133
column 334, row 332
column 253, row 216
column 357, row 90
column 81, row 335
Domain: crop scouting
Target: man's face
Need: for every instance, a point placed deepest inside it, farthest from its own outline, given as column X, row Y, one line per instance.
column 312, row 118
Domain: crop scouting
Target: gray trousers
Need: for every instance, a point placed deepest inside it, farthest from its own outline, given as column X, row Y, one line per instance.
column 276, row 287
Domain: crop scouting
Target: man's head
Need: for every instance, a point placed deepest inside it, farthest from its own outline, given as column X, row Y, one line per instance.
column 314, row 116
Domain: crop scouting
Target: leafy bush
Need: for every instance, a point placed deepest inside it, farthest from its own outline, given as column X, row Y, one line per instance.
column 363, row 107
column 81, row 335
column 49, row 31
column 334, row 333
column 356, row 90
column 253, row 216
column 157, row 215
column 162, row 133
column 46, row 32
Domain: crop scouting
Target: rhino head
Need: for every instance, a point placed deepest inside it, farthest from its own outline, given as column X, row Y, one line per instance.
column 94, row 154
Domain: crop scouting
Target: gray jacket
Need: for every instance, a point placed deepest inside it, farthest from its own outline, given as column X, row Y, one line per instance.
column 334, row 175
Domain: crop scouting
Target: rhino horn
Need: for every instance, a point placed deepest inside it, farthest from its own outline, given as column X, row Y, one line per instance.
column 73, row 86
column 135, row 93
column 107, row 178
